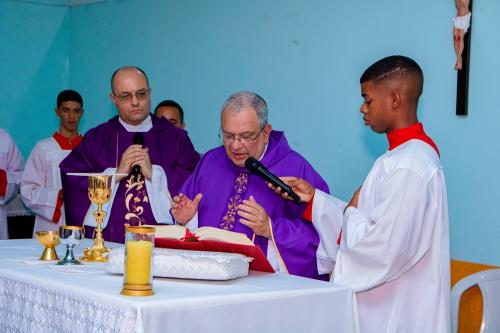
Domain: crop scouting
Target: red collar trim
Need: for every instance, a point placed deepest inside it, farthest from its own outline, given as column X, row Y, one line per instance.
column 65, row 143
column 402, row 135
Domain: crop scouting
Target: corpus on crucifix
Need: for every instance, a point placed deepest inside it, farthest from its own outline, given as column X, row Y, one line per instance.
column 461, row 24
column 461, row 42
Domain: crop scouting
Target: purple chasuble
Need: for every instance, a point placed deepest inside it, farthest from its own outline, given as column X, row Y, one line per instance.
column 102, row 147
column 224, row 186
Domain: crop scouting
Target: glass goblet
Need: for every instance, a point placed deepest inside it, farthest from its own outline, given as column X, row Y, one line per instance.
column 71, row 236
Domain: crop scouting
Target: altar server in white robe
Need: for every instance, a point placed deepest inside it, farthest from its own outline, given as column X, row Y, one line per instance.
column 390, row 243
column 11, row 170
column 41, row 187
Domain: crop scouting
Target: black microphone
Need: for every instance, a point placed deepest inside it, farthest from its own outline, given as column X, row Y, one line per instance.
column 260, row 170
column 138, row 140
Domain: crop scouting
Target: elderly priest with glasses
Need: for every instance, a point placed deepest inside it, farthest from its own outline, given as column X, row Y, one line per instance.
column 156, row 156
column 222, row 193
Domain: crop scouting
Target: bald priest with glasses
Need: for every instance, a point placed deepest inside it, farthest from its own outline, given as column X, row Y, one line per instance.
column 222, row 193
column 155, row 156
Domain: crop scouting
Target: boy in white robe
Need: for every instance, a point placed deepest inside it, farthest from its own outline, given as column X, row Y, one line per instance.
column 11, row 170
column 41, row 187
column 390, row 243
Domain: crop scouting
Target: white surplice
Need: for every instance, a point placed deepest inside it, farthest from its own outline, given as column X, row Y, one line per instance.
column 11, row 162
column 394, row 248
column 41, row 183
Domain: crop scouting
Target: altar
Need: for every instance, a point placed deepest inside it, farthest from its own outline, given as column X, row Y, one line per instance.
column 42, row 297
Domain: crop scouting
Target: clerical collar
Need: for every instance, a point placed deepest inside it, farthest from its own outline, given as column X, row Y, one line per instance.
column 145, row 126
column 264, row 152
column 66, row 143
column 402, row 135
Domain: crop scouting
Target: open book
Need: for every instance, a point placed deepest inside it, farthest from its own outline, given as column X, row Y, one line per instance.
column 204, row 233
column 213, row 240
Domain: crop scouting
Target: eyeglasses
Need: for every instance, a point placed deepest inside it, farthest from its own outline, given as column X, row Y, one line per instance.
column 127, row 96
column 228, row 138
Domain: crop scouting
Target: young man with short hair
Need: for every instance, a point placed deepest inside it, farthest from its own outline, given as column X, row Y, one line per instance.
column 41, row 187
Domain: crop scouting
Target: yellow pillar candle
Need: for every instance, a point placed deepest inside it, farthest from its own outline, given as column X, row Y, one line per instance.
column 138, row 263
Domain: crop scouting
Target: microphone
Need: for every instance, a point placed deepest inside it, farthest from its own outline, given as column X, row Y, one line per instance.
column 138, row 140
column 260, row 170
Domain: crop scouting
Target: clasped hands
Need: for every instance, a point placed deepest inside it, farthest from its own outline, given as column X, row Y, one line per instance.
column 135, row 155
column 251, row 213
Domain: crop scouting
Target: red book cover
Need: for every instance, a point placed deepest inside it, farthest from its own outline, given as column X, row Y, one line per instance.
column 259, row 262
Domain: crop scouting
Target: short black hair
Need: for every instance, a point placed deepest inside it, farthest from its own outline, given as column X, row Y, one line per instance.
column 394, row 67
column 69, row 95
column 171, row 103
column 128, row 68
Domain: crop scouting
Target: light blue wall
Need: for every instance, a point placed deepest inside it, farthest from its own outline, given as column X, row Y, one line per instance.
column 305, row 58
column 473, row 157
column 34, row 63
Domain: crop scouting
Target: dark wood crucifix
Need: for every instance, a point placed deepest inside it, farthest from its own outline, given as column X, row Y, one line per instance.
column 463, row 73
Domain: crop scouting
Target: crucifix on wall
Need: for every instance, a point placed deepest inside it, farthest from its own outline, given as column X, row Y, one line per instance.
column 461, row 41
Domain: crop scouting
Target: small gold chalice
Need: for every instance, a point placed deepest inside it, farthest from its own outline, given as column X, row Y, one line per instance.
column 99, row 193
column 49, row 239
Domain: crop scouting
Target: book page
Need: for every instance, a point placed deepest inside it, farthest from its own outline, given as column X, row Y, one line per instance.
column 211, row 233
column 169, row 231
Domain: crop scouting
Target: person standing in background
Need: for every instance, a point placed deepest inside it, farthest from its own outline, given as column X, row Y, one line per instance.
column 41, row 187
column 172, row 111
column 11, row 171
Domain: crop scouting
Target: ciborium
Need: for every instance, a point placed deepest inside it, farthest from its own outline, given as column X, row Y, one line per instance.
column 49, row 239
column 70, row 236
column 99, row 194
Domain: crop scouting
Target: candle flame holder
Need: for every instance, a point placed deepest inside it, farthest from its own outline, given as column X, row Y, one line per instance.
column 138, row 265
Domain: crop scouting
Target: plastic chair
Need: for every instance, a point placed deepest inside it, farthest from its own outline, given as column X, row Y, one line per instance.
column 489, row 284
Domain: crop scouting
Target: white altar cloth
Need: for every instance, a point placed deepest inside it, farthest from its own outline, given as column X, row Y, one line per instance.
column 47, row 298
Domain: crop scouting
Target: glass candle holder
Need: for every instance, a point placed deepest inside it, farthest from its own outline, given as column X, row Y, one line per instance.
column 137, row 275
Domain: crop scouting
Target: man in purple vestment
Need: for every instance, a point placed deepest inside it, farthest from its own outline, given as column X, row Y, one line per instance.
column 222, row 193
column 163, row 152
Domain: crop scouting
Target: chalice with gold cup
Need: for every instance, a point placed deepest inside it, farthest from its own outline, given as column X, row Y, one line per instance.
column 99, row 194
column 49, row 239
column 70, row 236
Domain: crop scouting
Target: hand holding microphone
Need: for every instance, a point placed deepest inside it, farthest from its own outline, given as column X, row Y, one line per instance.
column 138, row 140
column 135, row 160
column 259, row 169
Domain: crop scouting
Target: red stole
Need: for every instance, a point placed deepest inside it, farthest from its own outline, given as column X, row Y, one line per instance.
column 402, row 135
column 65, row 143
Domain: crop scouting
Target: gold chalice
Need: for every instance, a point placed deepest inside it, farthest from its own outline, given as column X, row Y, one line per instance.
column 99, row 193
column 49, row 239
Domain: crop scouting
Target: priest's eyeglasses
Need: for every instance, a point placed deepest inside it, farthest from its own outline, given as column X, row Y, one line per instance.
column 127, row 96
column 229, row 138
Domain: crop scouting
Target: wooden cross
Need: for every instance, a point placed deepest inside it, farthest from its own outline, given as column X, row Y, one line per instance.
column 463, row 74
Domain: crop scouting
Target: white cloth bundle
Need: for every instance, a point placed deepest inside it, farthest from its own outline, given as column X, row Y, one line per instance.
column 201, row 265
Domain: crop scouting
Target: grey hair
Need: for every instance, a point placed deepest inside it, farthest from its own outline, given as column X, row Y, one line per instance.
column 237, row 101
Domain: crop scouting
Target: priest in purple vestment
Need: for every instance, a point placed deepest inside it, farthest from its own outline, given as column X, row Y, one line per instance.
column 163, row 152
column 222, row 193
